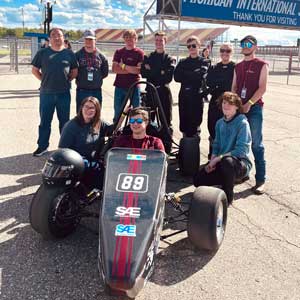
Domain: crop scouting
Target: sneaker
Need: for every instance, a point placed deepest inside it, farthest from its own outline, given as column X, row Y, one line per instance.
column 259, row 188
column 39, row 152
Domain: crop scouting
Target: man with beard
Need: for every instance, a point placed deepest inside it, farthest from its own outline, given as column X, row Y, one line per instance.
column 250, row 83
column 158, row 68
column 93, row 68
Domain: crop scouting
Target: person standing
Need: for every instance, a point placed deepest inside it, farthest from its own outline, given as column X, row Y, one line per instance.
column 250, row 83
column 126, row 65
column 219, row 80
column 190, row 72
column 55, row 67
column 158, row 68
column 93, row 68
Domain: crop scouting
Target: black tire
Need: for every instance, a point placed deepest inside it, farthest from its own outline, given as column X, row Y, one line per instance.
column 189, row 155
column 207, row 218
column 48, row 212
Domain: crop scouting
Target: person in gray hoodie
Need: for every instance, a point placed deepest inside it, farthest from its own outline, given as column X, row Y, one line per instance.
column 230, row 160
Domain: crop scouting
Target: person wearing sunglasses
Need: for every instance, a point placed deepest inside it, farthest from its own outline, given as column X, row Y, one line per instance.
column 158, row 68
column 250, row 83
column 191, row 72
column 138, row 122
column 219, row 80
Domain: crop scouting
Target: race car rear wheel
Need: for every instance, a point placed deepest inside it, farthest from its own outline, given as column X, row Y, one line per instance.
column 207, row 218
column 54, row 212
column 189, row 155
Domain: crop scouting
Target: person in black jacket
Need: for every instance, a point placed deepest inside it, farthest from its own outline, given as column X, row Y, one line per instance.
column 190, row 72
column 219, row 80
column 158, row 68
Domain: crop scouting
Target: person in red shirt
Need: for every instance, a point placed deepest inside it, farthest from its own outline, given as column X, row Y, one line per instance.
column 127, row 63
column 250, row 83
column 139, row 120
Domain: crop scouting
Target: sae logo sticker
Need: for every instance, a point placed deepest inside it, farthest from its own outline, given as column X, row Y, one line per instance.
column 136, row 157
column 125, row 230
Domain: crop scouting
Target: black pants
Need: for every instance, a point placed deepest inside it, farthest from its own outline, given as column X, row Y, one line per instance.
column 227, row 171
column 166, row 100
column 190, row 111
column 214, row 114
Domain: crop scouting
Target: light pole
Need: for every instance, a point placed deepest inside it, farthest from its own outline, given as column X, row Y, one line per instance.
column 48, row 14
column 23, row 20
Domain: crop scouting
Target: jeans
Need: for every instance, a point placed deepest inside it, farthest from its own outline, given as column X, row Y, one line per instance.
column 119, row 98
column 255, row 119
column 48, row 103
column 81, row 94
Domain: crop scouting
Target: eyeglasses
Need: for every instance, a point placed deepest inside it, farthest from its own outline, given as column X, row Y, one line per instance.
column 246, row 45
column 138, row 120
column 191, row 46
column 87, row 107
column 225, row 50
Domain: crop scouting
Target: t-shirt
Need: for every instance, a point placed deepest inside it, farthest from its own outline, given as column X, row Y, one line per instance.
column 82, row 138
column 95, row 63
column 131, row 58
column 55, row 67
column 247, row 75
column 148, row 142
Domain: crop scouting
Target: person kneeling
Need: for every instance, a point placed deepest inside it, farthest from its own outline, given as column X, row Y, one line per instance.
column 139, row 120
column 230, row 154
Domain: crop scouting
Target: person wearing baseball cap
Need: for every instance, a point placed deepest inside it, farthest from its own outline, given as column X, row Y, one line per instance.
column 93, row 68
column 250, row 83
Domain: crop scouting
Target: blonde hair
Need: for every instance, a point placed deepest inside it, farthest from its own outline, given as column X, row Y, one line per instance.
column 227, row 45
column 130, row 33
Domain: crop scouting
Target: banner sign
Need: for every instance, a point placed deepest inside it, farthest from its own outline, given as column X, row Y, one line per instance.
column 271, row 13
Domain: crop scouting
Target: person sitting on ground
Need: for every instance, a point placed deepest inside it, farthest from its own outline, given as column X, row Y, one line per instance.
column 86, row 133
column 139, row 120
column 230, row 151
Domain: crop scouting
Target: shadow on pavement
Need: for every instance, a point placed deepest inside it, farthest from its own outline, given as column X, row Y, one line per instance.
column 15, row 94
column 26, row 166
column 33, row 268
column 178, row 262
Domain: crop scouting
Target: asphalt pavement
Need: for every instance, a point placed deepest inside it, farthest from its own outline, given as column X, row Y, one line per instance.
column 260, row 255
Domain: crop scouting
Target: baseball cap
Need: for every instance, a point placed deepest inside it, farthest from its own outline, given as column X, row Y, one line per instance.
column 249, row 38
column 89, row 34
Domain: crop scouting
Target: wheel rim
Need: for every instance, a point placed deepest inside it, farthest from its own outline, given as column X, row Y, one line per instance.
column 220, row 223
column 65, row 211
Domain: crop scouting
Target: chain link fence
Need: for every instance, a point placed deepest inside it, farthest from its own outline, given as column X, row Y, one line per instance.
column 284, row 65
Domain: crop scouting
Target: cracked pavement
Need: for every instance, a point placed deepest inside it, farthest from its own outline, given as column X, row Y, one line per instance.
column 260, row 255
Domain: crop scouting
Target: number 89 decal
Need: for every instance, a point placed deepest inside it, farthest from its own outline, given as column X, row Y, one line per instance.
column 137, row 183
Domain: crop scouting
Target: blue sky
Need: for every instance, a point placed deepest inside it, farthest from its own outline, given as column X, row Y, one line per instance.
column 93, row 14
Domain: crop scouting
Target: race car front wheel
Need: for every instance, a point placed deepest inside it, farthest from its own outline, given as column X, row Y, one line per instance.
column 207, row 218
column 54, row 212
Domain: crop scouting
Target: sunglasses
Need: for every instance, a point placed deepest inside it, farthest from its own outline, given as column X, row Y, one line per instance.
column 246, row 45
column 138, row 120
column 191, row 46
column 225, row 51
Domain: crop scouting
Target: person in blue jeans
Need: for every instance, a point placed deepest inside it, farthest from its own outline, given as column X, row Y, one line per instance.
column 55, row 67
column 250, row 83
column 126, row 65
column 93, row 68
